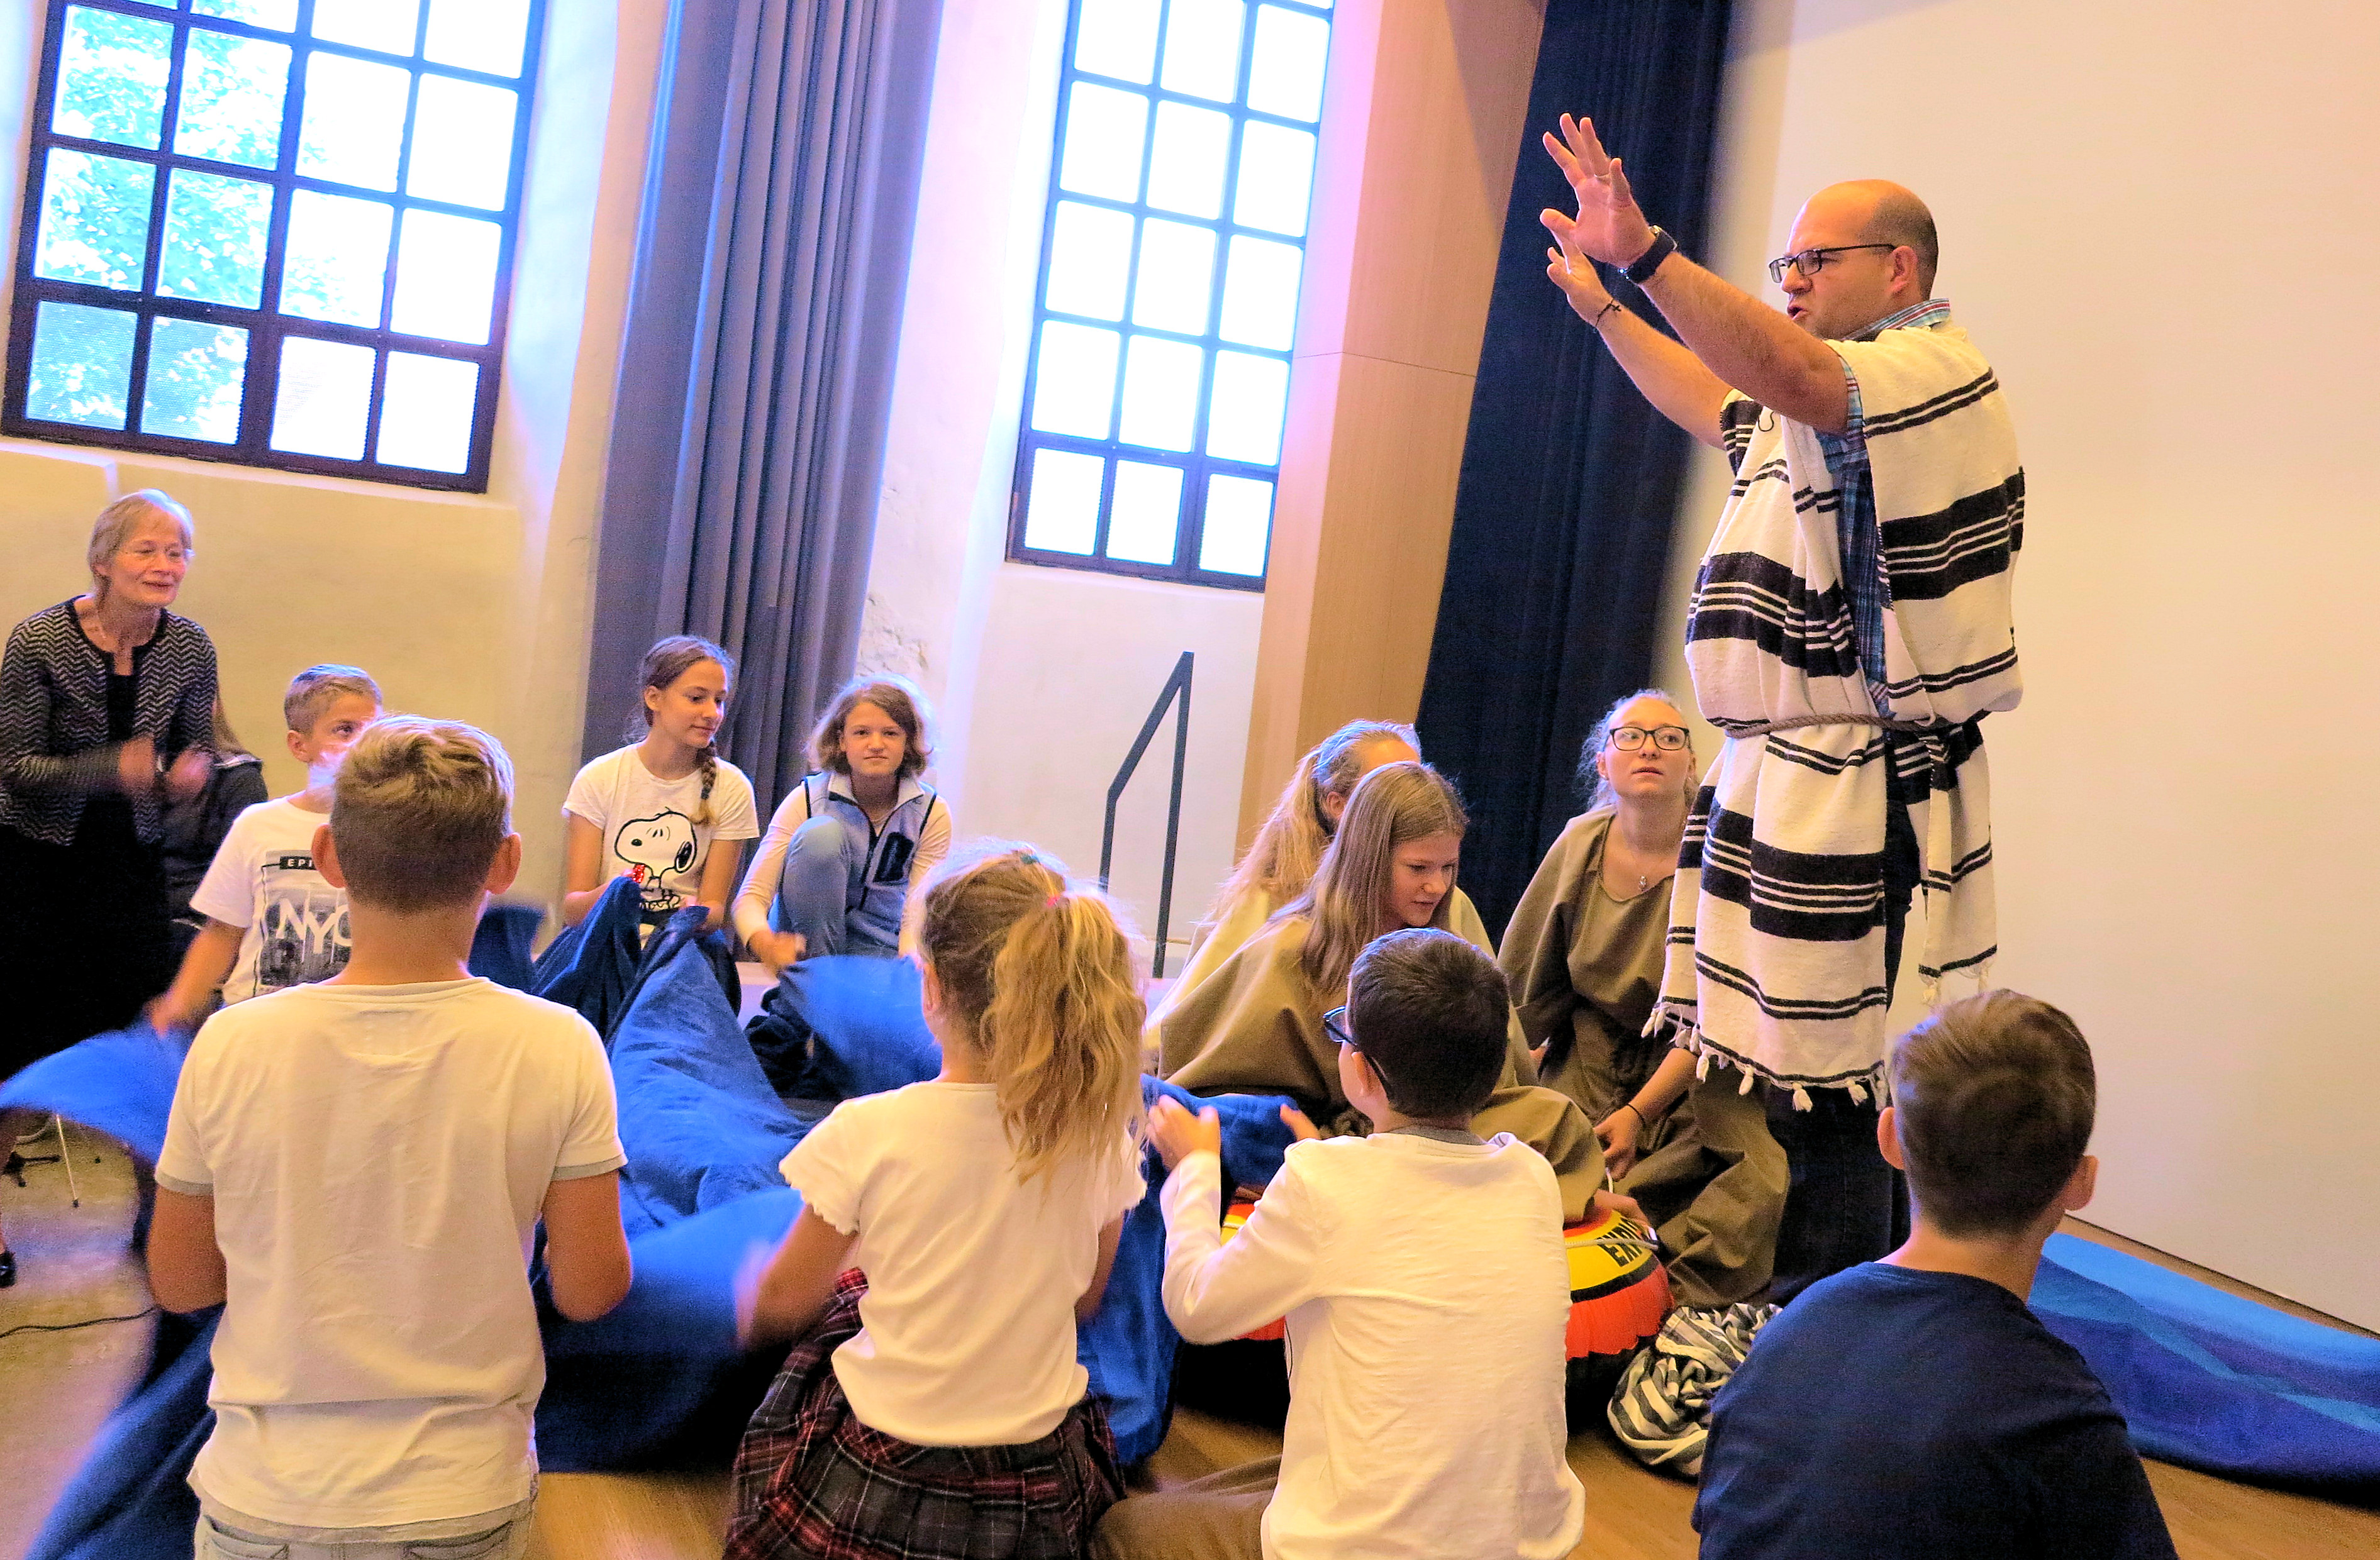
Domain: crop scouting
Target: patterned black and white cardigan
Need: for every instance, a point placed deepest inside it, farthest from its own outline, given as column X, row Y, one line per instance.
column 54, row 746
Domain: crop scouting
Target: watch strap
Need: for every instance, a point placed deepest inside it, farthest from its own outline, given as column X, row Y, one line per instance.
column 1640, row 270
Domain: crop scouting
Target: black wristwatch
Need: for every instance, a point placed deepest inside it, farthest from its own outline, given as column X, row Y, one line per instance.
column 1640, row 269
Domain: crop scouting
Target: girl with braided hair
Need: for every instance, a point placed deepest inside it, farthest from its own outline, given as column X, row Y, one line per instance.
column 666, row 811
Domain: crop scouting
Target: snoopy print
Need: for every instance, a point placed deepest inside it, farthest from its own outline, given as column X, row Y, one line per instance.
column 656, row 848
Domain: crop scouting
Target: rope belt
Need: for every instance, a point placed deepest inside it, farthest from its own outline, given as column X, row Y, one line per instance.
column 1795, row 723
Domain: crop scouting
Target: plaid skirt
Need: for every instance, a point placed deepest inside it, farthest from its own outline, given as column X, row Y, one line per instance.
column 812, row 1481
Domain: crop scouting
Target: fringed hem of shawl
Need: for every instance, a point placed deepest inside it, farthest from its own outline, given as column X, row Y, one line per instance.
column 1675, row 1023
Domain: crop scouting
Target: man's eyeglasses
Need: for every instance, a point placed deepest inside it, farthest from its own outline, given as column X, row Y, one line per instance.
column 1334, row 1024
column 1669, row 738
column 1809, row 263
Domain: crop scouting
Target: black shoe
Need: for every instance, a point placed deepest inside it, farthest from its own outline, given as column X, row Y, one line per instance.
column 7, row 1270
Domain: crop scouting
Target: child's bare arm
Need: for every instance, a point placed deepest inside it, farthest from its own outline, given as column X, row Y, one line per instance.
column 186, row 1266
column 797, row 1283
column 585, row 1250
column 1088, row 1306
column 205, row 967
column 1214, row 1289
column 582, row 880
column 719, row 871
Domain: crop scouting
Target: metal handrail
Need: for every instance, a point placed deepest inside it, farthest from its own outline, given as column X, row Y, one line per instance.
column 1178, row 684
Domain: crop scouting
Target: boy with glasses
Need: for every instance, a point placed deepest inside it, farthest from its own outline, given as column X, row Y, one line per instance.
column 1422, row 1273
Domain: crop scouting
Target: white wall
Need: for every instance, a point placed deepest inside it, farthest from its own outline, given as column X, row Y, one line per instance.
column 1043, row 676
column 463, row 605
column 2162, row 234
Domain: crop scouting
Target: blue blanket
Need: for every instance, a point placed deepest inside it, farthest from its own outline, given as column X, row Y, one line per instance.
column 590, row 966
column 2215, row 1382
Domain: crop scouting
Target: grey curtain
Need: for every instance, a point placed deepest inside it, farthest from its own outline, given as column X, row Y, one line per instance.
column 756, row 375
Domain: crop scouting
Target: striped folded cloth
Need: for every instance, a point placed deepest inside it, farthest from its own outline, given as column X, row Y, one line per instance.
column 1661, row 1408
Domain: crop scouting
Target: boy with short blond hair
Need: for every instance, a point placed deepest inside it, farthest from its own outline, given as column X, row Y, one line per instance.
column 355, row 1169
column 272, row 920
column 1915, row 1408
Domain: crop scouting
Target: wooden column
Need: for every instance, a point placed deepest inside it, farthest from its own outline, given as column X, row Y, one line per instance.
column 1422, row 118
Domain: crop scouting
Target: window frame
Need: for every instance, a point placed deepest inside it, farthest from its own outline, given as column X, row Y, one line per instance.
column 265, row 324
column 1195, row 463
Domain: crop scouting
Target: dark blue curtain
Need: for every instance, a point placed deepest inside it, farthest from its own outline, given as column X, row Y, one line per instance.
column 1571, row 480
column 756, row 376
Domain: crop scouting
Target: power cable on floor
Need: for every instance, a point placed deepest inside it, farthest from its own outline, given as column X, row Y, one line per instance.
column 70, row 1327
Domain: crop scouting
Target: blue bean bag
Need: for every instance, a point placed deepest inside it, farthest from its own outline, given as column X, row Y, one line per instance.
column 2213, row 1381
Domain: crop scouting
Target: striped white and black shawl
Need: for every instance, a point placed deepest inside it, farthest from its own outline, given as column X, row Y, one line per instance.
column 1775, row 947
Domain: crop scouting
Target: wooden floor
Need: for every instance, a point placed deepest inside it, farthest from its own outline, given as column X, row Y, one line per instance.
column 57, row 1389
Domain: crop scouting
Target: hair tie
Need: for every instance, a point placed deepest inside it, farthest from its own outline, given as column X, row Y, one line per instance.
column 1053, row 901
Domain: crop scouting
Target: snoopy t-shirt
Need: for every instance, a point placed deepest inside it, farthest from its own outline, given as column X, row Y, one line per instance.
column 293, row 924
column 648, row 824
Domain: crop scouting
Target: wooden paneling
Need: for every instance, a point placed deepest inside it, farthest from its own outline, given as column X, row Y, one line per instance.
column 1421, row 127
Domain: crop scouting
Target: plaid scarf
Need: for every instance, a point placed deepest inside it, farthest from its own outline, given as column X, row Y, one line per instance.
column 1776, row 944
column 812, row 1481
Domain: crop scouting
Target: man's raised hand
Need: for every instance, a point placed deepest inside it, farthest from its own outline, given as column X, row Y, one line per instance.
column 1608, row 226
column 1574, row 273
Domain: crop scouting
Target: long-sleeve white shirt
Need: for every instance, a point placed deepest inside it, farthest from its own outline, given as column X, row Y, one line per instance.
column 1426, row 1291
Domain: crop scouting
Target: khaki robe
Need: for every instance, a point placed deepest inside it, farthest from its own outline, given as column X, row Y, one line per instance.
column 1585, row 968
column 1215, row 941
column 1254, row 1026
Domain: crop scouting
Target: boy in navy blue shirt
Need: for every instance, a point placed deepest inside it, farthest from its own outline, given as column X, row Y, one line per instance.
column 1915, row 1408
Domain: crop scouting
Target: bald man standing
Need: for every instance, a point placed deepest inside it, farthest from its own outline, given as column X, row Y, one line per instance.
column 1850, row 629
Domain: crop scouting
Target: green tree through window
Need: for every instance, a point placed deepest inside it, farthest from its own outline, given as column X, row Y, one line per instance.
column 278, row 231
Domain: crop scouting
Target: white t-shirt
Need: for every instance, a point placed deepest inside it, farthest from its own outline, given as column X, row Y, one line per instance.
column 377, row 1156
column 967, row 1329
column 1426, row 1292
column 647, row 827
column 294, row 925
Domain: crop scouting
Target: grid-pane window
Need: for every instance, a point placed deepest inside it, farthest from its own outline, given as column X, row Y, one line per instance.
column 1175, row 243
column 276, row 232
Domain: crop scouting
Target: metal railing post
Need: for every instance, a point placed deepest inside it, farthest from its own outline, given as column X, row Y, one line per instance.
column 1176, row 692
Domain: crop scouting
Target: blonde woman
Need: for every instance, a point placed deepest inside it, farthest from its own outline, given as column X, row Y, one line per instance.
column 1256, row 1025
column 106, row 719
column 984, row 1207
column 1280, row 863
column 1584, row 948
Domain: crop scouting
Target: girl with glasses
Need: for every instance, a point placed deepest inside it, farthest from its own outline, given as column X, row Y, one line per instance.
column 1584, row 947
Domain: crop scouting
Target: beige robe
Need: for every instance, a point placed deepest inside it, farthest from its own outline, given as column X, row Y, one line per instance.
column 1585, row 968
column 1254, row 1026
column 1215, row 940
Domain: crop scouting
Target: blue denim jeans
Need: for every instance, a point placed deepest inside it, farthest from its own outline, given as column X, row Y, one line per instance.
column 813, row 890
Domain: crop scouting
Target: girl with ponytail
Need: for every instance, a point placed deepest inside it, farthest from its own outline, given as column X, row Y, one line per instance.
column 983, row 1208
column 666, row 810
